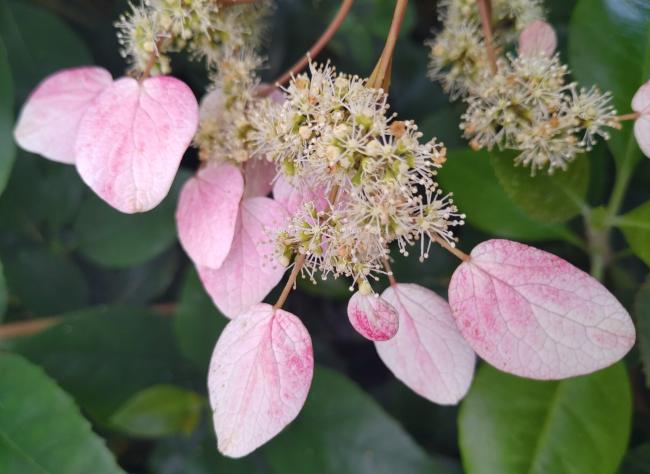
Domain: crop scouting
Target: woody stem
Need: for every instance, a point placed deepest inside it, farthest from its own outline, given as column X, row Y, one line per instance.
column 485, row 12
column 389, row 272
column 297, row 265
column 380, row 77
column 458, row 253
column 630, row 116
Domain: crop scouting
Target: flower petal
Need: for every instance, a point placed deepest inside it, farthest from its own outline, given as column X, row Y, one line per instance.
column 293, row 196
column 132, row 139
column 372, row 317
column 259, row 377
column 641, row 99
column 207, row 213
column 537, row 39
column 532, row 314
column 428, row 352
column 251, row 269
column 258, row 174
column 49, row 120
column 642, row 133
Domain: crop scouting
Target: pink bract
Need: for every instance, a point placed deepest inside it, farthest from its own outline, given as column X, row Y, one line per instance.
column 207, row 213
column 532, row 314
column 372, row 317
column 641, row 104
column 132, row 138
column 251, row 269
column 428, row 352
column 258, row 176
column 537, row 39
column 259, row 377
column 49, row 120
column 293, row 196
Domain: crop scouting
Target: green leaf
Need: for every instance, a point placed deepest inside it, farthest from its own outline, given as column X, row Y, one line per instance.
column 636, row 228
column 477, row 193
column 552, row 198
column 510, row 425
column 103, row 356
column 41, row 429
column 161, row 410
column 342, row 430
column 198, row 322
column 38, row 43
column 7, row 147
column 642, row 313
column 609, row 46
column 45, row 282
column 332, row 288
column 4, row 296
column 113, row 239
column 637, row 461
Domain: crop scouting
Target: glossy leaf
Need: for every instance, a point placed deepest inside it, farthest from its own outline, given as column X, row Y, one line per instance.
column 532, row 314
column 4, row 296
column 7, row 147
column 260, row 373
column 510, row 425
column 547, row 198
column 41, row 429
column 428, row 353
column 478, row 194
column 161, row 410
column 132, row 138
column 346, row 433
column 636, row 227
column 642, row 313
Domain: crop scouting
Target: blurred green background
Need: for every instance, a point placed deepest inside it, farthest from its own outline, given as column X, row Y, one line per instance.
column 106, row 332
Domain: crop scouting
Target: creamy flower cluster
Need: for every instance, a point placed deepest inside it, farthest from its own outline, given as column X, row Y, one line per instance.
column 528, row 106
column 202, row 27
column 333, row 135
column 458, row 58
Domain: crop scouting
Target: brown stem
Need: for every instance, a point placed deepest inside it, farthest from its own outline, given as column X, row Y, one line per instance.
column 389, row 272
column 325, row 38
column 380, row 77
column 146, row 72
column 484, row 9
column 458, row 253
column 297, row 265
column 630, row 116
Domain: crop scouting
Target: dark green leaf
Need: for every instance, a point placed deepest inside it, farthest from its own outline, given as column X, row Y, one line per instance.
column 38, row 43
column 4, row 296
column 510, row 425
column 113, row 239
column 7, row 147
column 637, row 461
column 636, row 228
column 161, row 410
column 477, row 193
column 104, row 356
column 642, row 313
column 45, row 282
column 609, row 46
column 41, row 429
column 548, row 198
column 342, row 430
column 198, row 322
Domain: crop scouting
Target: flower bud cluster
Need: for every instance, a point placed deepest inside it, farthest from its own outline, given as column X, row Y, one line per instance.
column 527, row 106
column 457, row 57
column 201, row 27
column 334, row 133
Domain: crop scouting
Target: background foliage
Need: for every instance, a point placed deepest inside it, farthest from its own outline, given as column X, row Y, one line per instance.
column 111, row 377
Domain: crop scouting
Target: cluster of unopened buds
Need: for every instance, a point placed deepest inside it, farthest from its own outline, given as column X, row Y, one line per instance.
column 348, row 180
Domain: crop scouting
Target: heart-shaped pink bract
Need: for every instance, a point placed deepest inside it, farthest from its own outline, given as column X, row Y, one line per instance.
column 641, row 104
column 258, row 176
column 537, row 39
column 293, row 195
column 532, row 314
column 428, row 352
column 251, row 269
column 372, row 317
column 49, row 120
column 132, row 138
column 207, row 213
column 259, row 377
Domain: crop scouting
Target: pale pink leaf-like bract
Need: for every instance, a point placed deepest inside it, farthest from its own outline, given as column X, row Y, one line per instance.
column 259, row 377
column 49, row 120
column 532, row 314
column 251, row 269
column 132, row 138
column 207, row 211
column 537, row 39
column 641, row 104
column 258, row 177
column 428, row 352
column 372, row 317
column 293, row 196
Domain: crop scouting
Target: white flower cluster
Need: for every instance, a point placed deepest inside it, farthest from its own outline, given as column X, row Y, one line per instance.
column 527, row 106
column 202, row 27
column 333, row 134
column 458, row 58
